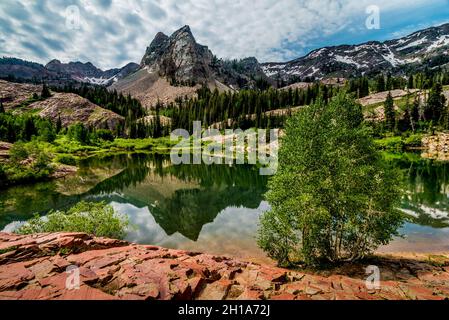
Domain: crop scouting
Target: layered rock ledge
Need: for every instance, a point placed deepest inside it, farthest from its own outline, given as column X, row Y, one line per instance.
column 436, row 146
column 35, row 267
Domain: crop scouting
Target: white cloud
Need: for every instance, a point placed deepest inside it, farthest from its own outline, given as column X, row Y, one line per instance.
column 114, row 32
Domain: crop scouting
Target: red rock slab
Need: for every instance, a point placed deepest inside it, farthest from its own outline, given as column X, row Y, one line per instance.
column 38, row 267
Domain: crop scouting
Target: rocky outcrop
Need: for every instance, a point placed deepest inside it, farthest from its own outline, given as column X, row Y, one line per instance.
column 437, row 147
column 4, row 149
column 179, row 58
column 13, row 95
column 72, row 108
column 39, row 266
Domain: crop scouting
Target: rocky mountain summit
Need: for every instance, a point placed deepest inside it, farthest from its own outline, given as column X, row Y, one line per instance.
column 37, row 267
column 176, row 66
column 182, row 60
column 88, row 73
column 179, row 58
column 427, row 48
column 57, row 73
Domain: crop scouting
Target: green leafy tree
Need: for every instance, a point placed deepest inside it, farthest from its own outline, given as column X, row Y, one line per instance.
column 390, row 115
column 46, row 131
column 333, row 198
column 96, row 219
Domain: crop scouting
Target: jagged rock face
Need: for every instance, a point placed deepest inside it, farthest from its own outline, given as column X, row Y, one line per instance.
column 426, row 48
column 179, row 58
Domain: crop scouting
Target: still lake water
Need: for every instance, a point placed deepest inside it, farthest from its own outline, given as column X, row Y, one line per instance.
column 213, row 209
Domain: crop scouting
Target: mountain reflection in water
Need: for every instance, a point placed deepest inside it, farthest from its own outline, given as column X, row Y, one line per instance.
column 212, row 208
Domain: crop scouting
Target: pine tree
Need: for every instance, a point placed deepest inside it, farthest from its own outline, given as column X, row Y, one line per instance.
column 2, row 109
column 45, row 92
column 408, row 122
column 410, row 84
column 435, row 104
column 415, row 115
column 389, row 84
column 380, row 87
column 58, row 124
column 390, row 116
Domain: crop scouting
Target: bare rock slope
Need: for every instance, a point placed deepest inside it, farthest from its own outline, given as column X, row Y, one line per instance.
column 13, row 94
column 72, row 108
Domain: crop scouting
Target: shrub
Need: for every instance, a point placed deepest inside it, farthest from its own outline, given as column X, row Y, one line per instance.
column 105, row 135
column 27, row 162
column 415, row 140
column 18, row 152
column 66, row 159
column 97, row 219
column 391, row 144
column 3, row 177
column 332, row 198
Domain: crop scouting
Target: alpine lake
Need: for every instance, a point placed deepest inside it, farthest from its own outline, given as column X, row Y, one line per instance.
column 214, row 208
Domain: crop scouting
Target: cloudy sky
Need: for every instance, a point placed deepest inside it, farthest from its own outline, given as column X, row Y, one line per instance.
column 111, row 33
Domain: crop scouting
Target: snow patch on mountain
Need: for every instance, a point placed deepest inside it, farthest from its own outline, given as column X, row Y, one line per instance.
column 441, row 41
column 99, row 81
column 413, row 44
column 348, row 60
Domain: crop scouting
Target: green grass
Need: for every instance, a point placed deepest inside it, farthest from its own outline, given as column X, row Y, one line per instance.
column 399, row 143
column 390, row 144
column 63, row 145
column 9, row 249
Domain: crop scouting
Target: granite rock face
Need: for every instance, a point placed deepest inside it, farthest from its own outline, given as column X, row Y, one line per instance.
column 179, row 57
column 181, row 60
column 47, row 267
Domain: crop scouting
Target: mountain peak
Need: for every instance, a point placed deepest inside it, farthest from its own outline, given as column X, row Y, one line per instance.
column 183, row 33
column 185, row 29
column 53, row 62
column 179, row 57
